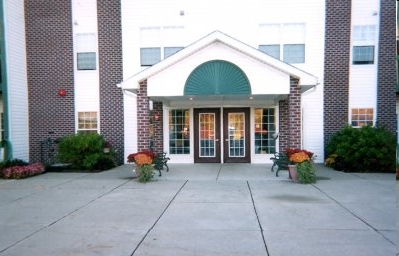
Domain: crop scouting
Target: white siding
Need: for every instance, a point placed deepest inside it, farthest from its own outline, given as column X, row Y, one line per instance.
column 16, row 78
column 240, row 20
column 363, row 78
column 87, row 92
column 130, row 124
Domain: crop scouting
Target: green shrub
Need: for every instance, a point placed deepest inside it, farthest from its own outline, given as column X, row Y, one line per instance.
column 85, row 151
column 365, row 149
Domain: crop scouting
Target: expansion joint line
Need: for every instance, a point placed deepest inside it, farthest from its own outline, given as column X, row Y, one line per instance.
column 160, row 216
column 257, row 217
column 359, row 218
column 63, row 217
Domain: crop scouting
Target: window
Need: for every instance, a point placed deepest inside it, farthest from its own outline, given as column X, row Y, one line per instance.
column 179, row 131
column 150, row 56
column 284, row 41
column 362, row 116
column 273, row 50
column 265, row 128
column 168, row 51
column 363, row 45
column 86, row 48
column 87, row 121
column 153, row 42
column 86, row 61
column 363, row 55
column 294, row 53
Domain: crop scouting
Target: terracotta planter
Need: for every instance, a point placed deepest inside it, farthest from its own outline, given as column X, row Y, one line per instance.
column 293, row 172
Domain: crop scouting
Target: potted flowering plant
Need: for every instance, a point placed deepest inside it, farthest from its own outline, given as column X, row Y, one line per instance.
column 144, row 164
column 301, row 165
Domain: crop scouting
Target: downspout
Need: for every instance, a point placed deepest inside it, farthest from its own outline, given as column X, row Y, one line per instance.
column 5, row 142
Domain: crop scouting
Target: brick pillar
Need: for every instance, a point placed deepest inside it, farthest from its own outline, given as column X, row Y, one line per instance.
column 294, row 114
column 386, row 93
column 111, row 68
column 143, row 118
column 49, row 49
column 283, row 125
column 158, row 127
column 336, row 66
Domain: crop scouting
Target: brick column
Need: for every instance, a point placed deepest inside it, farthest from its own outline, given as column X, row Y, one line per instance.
column 283, row 125
column 143, row 118
column 49, row 53
column 386, row 93
column 336, row 66
column 110, row 67
column 158, row 127
column 294, row 114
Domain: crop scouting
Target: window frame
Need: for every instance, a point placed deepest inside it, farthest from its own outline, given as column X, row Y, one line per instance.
column 88, row 63
column 362, row 116
column 147, row 61
column 90, row 120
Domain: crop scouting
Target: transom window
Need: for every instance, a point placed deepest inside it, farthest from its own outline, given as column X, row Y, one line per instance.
column 362, row 116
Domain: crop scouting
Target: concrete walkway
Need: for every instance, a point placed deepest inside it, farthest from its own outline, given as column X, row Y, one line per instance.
column 201, row 209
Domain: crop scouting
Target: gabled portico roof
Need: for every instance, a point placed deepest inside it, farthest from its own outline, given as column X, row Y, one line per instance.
column 306, row 80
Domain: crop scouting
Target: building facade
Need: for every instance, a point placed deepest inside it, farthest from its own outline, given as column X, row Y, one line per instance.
column 233, row 82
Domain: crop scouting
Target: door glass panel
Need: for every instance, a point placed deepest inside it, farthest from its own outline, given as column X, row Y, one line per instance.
column 206, row 134
column 236, row 122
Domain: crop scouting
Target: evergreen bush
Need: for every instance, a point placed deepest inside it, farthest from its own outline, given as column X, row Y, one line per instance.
column 366, row 149
column 85, row 151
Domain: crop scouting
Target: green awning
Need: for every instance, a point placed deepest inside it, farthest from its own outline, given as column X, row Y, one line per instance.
column 217, row 77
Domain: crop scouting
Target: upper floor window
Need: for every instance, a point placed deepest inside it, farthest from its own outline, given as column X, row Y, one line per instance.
column 283, row 41
column 150, row 56
column 86, row 61
column 157, row 43
column 363, row 44
column 168, row 51
column 86, row 48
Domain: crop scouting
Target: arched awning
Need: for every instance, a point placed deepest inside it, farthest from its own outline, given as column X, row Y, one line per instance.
column 217, row 77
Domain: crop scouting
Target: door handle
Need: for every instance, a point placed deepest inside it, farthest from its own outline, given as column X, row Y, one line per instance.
column 226, row 139
column 216, row 139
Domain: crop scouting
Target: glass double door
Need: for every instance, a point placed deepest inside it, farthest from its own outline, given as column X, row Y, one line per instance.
column 217, row 136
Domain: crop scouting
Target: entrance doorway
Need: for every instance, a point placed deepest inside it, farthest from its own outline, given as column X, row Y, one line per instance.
column 212, row 136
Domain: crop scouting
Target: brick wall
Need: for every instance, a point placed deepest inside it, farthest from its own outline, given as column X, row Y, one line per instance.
column 158, row 127
column 143, row 117
column 49, row 47
column 290, row 118
column 111, row 73
column 336, row 66
column 386, row 97
column 294, row 114
column 283, row 125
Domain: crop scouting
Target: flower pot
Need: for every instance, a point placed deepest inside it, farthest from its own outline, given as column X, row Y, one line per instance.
column 292, row 172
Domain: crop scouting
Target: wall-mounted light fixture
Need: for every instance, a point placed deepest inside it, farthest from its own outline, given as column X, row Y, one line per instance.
column 156, row 116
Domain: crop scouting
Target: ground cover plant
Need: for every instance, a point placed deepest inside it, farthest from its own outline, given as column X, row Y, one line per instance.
column 19, row 169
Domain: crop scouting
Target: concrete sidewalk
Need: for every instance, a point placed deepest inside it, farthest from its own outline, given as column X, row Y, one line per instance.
column 201, row 209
